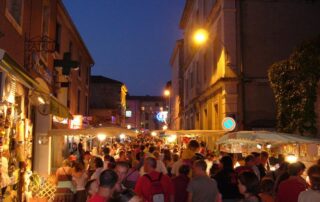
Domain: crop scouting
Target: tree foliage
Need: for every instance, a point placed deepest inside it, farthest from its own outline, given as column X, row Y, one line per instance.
column 294, row 82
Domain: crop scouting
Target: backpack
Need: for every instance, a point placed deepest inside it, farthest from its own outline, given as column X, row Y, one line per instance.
column 157, row 192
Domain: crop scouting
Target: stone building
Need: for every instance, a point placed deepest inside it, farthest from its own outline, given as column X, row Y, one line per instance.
column 36, row 35
column 72, row 80
column 227, row 76
column 176, row 97
column 107, row 101
column 142, row 111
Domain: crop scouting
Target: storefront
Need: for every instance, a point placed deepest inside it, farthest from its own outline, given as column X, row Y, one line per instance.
column 15, row 127
column 22, row 98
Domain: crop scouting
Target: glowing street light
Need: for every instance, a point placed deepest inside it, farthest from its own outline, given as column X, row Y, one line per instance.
column 200, row 36
column 166, row 93
column 129, row 127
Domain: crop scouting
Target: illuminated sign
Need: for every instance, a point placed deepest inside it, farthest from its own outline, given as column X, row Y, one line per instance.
column 228, row 124
column 76, row 122
column 162, row 116
column 61, row 120
column 128, row 113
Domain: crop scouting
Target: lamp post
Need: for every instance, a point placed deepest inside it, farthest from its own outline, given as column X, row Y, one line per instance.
column 167, row 94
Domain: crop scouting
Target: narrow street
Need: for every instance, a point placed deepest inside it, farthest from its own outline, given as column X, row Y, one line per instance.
column 159, row 101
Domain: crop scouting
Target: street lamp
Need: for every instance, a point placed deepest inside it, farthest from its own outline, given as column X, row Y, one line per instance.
column 166, row 93
column 200, row 36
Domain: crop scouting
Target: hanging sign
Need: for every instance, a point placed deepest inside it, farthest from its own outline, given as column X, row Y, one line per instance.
column 162, row 116
column 76, row 122
column 228, row 124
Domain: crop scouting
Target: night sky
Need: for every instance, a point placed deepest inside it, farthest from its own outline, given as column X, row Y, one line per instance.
column 130, row 40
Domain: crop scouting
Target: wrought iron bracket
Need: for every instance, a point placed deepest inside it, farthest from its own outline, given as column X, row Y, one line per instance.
column 39, row 44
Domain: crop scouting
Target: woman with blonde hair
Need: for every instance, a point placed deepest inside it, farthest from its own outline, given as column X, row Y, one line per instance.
column 65, row 189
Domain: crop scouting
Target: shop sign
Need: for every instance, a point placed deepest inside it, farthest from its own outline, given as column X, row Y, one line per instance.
column 228, row 124
column 58, row 119
column 76, row 122
column 162, row 116
column 42, row 69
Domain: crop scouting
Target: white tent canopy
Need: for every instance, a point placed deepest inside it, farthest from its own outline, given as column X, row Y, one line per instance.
column 111, row 131
column 255, row 137
column 191, row 132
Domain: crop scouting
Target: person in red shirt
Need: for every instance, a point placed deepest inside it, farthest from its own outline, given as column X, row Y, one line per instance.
column 290, row 189
column 108, row 180
column 152, row 182
column 180, row 184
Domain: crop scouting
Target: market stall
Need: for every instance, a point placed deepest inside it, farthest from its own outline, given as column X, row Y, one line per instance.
column 182, row 137
column 91, row 139
column 305, row 149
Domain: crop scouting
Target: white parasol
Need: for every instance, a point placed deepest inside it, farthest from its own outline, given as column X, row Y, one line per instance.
column 255, row 137
column 109, row 131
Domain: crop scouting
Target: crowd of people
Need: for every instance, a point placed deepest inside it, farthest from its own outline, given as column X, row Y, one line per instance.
column 150, row 171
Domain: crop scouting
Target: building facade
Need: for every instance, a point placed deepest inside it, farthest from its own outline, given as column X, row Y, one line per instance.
column 146, row 113
column 72, row 80
column 176, row 92
column 107, row 101
column 227, row 76
column 33, row 46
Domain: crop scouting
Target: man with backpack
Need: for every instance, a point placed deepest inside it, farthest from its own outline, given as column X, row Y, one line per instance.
column 154, row 186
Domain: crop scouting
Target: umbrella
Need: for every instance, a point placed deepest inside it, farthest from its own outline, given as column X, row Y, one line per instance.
column 255, row 137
